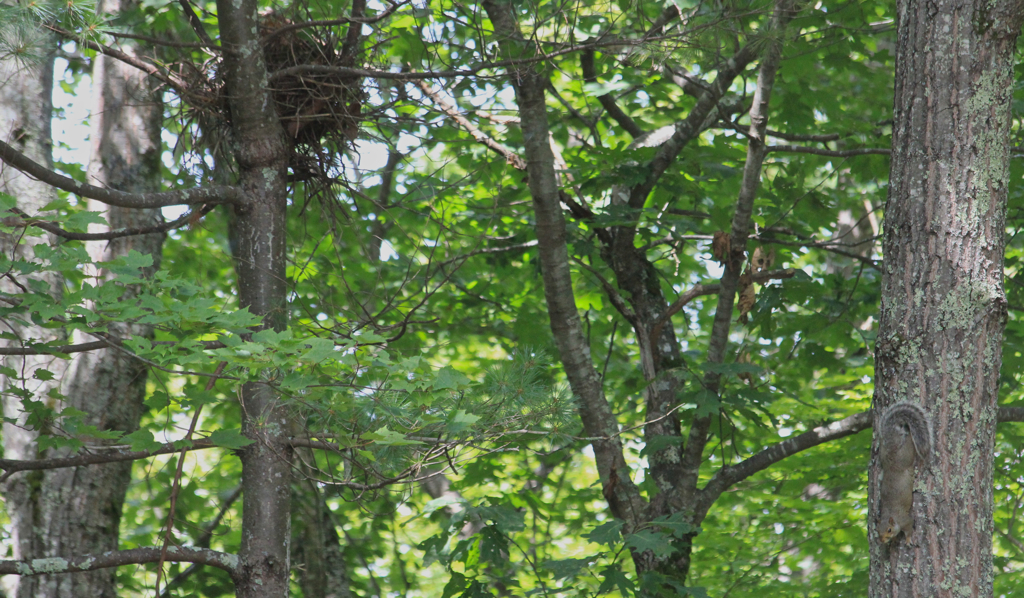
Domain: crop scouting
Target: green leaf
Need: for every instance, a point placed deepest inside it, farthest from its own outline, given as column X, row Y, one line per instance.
column 82, row 220
column 321, row 349
column 387, row 437
column 41, row 374
column 614, row 578
column 456, row 584
column 493, row 545
column 608, row 533
column 449, row 379
column 229, row 438
column 158, row 400
column 565, row 568
column 656, row 542
column 7, row 202
column 461, row 421
column 142, row 440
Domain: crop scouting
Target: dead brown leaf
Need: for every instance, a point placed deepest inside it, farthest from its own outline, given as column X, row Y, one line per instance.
column 762, row 260
column 720, row 246
column 748, row 296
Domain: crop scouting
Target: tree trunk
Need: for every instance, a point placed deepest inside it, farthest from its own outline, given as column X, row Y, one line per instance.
column 261, row 152
column 25, row 108
column 943, row 307
column 316, row 547
column 78, row 510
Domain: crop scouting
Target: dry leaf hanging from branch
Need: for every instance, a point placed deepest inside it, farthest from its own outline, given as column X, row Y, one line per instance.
column 747, row 297
column 720, row 247
column 762, row 260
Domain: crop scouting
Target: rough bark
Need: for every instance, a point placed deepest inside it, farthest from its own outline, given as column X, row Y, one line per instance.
column 77, row 510
column 943, row 306
column 261, row 153
column 317, row 550
column 25, row 108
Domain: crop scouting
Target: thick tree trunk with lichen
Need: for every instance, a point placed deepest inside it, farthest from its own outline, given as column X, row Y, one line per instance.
column 78, row 510
column 943, row 307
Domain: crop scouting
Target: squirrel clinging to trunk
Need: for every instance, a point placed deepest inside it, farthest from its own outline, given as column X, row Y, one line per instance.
column 906, row 439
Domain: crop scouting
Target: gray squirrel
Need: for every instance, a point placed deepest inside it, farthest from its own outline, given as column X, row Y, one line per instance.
column 906, row 438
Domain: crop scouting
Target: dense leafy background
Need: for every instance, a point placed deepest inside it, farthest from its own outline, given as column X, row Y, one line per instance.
column 417, row 312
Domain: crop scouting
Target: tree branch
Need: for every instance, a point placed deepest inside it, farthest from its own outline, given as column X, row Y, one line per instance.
column 613, row 295
column 729, row 475
column 339, row 21
column 52, row 228
column 169, row 80
column 112, row 197
column 606, row 100
column 510, row 156
column 196, row 23
column 799, row 149
column 710, row 289
column 756, row 150
column 689, row 128
column 598, row 419
column 109, row 341
column 13, row 466
column 135, row 556
column 203, row 541
column 516, row 63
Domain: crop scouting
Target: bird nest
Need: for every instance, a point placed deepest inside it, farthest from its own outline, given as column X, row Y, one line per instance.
column 320, row 108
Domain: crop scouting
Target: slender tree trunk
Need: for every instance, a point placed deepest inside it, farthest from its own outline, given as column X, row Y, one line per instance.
column 943, row 307
column 261, row 152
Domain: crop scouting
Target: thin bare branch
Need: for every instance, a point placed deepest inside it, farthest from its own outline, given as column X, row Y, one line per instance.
column 204, row 540
column 118, row 558
column 197, row 26
column 729, row 475
column 156, row 41
column 176, row 484
column 711, row 289
column 107, row 341
column 800, row 149
column 340, row 21
column 606, row 100
column 609, row 290
column 510, row 155
column 689, row 128
column 200, row 195
column 13, row 466
column 153, row 71
column 52, row 228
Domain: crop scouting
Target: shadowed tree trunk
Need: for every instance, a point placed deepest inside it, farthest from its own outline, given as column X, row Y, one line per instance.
column 25, row 108
column 78, row 510
column 943, row 307
column 317, row 551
